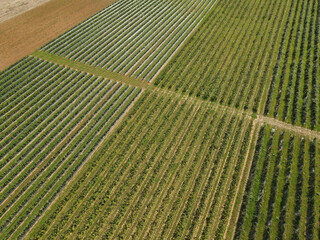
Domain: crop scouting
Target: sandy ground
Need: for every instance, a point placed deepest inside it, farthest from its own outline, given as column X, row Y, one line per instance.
column 27, row 32
column 12, row 8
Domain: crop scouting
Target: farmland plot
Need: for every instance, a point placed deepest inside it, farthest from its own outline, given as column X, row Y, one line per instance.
column 282, row 200
column 132, row 37
column 52, row 118
column 229, row 56
column 187, row 160
column 294, row 94
column 170, row 170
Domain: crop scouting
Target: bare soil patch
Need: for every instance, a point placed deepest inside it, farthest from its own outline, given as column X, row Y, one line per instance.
column 29, row 31
column 12, row 8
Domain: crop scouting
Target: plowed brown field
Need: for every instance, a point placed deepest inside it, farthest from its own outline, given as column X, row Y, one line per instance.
column 27, row 32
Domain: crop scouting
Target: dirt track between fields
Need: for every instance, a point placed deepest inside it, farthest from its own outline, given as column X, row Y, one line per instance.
column 289, row 127
column 29, row 31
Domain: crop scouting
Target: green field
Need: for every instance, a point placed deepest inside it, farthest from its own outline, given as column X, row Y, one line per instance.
column 193, row 119
column 229, row 57
column 49, row 128
column 171, row 171
column 294, row 93
column 281, row 199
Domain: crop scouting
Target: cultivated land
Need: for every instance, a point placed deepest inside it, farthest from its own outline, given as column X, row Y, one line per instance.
column 27, row 32
column 228, row 58
column 49, row 128
column 140, row 183
column 184, row 144
column 124, row 42
column 294, row 93
column 12, row 8
column 279, row 201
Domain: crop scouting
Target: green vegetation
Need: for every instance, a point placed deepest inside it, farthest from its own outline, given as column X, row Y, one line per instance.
column 294, row 95
column 49, row 128
column 119, row 39
column 228, row 58
column 280, row 200
column 88, row 149
column 90, row 69
column 174, row 175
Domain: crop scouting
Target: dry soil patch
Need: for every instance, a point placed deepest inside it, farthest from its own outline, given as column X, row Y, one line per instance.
column 12, row 8
column 29, row 31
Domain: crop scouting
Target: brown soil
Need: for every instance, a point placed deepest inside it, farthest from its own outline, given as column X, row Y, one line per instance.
column 29, row 31
column 12, row 8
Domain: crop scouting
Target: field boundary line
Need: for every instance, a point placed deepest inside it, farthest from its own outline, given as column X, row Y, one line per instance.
column 249, row 153
column 85, row 166
column 158, row 158
column 97, row 71
column 181, row 45
column 302, row 131
column 127, row 156
column 172, row 149
column 98, row 147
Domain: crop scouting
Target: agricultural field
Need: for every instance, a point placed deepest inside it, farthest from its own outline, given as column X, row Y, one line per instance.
column 52, row 119
column 119, row 39
column 281, row 199
column 11, row 8
column 27, row 32
column 192, row 119
column 176, row 175
column 294, row 95
column 228, row 58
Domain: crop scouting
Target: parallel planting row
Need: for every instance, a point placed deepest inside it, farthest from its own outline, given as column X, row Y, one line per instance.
column 175, row 167
column 172, row 169
column 282, row 195
column 228, row 58
column 52, row 118
column 133, row 37
column 294, row 95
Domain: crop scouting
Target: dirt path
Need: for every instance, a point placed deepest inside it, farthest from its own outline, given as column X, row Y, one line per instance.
column 119, row 77
column 145, row 85
column 29, row 31
column 289, row 127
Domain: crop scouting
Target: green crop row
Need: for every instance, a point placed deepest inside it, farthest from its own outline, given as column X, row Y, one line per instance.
column 228, row 58
column 154, row 175
column 13, row 72
column 14, row 87
column 120, row 39
column 293, row 96
column 280, row 200
column 49, row 135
